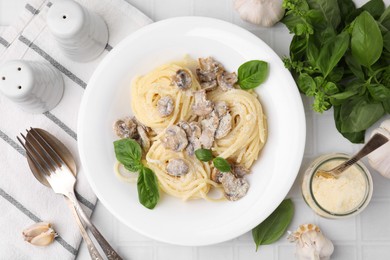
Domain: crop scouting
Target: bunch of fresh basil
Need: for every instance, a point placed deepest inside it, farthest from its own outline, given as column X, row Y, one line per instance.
column 129, row 153
column 340, row 55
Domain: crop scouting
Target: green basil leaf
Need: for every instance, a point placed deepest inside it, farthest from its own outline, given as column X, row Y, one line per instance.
column 386, row 58
column 386, row 106
column 296, row 23
column 128, row 152
column 355, row 85
column 385, row 78
column 204, row 155
column 319, row 80
column 339, row 98
column 386, row 41
column 379, row 92
column 252, row 73
column 221, row 164
column 374, row 7
column 336, row 74
column 354, row 66
column 385, row 18
column 312, row 52
column 358, row 114
column 273, row 227
column 330, row 88
column 329, row 9
column 298, row 48
column 147, row 184
column 366, row 40
column 346, row 7
column 332, row 53
column 355, row 137
column 306, row 84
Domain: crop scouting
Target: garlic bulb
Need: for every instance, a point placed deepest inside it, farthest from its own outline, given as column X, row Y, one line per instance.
column 311, row 244
column 39, row 234
column 379, row 159
column 261, row 12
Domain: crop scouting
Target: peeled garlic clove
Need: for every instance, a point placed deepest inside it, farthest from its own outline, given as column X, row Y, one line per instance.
column 44, row 239
column 311, row 244
column 379, row 159
column 39, row 234
column 260, row 12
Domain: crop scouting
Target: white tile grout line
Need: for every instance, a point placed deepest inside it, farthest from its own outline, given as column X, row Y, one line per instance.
column 358, row 238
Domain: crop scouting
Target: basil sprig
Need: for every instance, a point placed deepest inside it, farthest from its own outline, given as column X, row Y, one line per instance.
column 129, row 153
column 221, row 164
column 252, row 73
column 204, row 155
column 340, row 56
column 273, row 227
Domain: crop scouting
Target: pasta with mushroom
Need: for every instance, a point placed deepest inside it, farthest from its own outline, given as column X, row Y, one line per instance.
column 182, row 107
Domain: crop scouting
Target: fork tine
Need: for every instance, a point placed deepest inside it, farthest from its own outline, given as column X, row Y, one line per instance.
column 59, row 161
column 42, row 150
column 33, row 155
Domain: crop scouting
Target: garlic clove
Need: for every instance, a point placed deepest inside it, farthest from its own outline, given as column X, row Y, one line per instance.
column 311, row 244
column 45, row 238
column 261, row 12
column 379, row 159
column 34, row 230
column 39, row 234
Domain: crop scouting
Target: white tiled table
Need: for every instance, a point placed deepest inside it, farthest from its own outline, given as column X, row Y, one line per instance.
column 364, row 237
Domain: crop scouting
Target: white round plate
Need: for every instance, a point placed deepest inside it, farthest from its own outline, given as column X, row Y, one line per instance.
column 107, row 98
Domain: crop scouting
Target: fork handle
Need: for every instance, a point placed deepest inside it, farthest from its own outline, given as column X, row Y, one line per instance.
column 375, row 142
column 107, row 249
column 93, row 252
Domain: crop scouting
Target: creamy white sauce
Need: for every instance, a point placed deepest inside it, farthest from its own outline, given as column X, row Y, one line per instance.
column 343, row 194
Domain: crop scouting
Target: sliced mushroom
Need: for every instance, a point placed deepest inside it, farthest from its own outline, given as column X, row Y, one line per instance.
column 234, row 188
column 208, row 80
column 196, row 129
column 221, row 108
column 144, row 139
column 194, row 143
column 209, row 126
column 206, row 76
column 239, row 171
column 125, row 128
column 210, row 65
column 186, row 127
column 182, row 79
column 146, row 128
column 165, row 106
column 193, row 132
column 216, row 175
column 202, row 106
column 175, row 139
column 207, row 73
column 224, row 127
column 177, row 167
column 227, row 80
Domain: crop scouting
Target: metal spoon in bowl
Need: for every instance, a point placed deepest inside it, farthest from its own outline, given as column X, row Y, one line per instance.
column 375, row 142
column 44, row 152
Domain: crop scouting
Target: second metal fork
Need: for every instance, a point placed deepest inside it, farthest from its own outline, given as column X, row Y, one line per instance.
column 62, row 182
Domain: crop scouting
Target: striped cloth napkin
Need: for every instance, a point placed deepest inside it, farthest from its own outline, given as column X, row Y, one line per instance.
column 23, row 200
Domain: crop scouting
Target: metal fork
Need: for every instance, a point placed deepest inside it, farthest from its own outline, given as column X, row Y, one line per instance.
column 62, row 182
